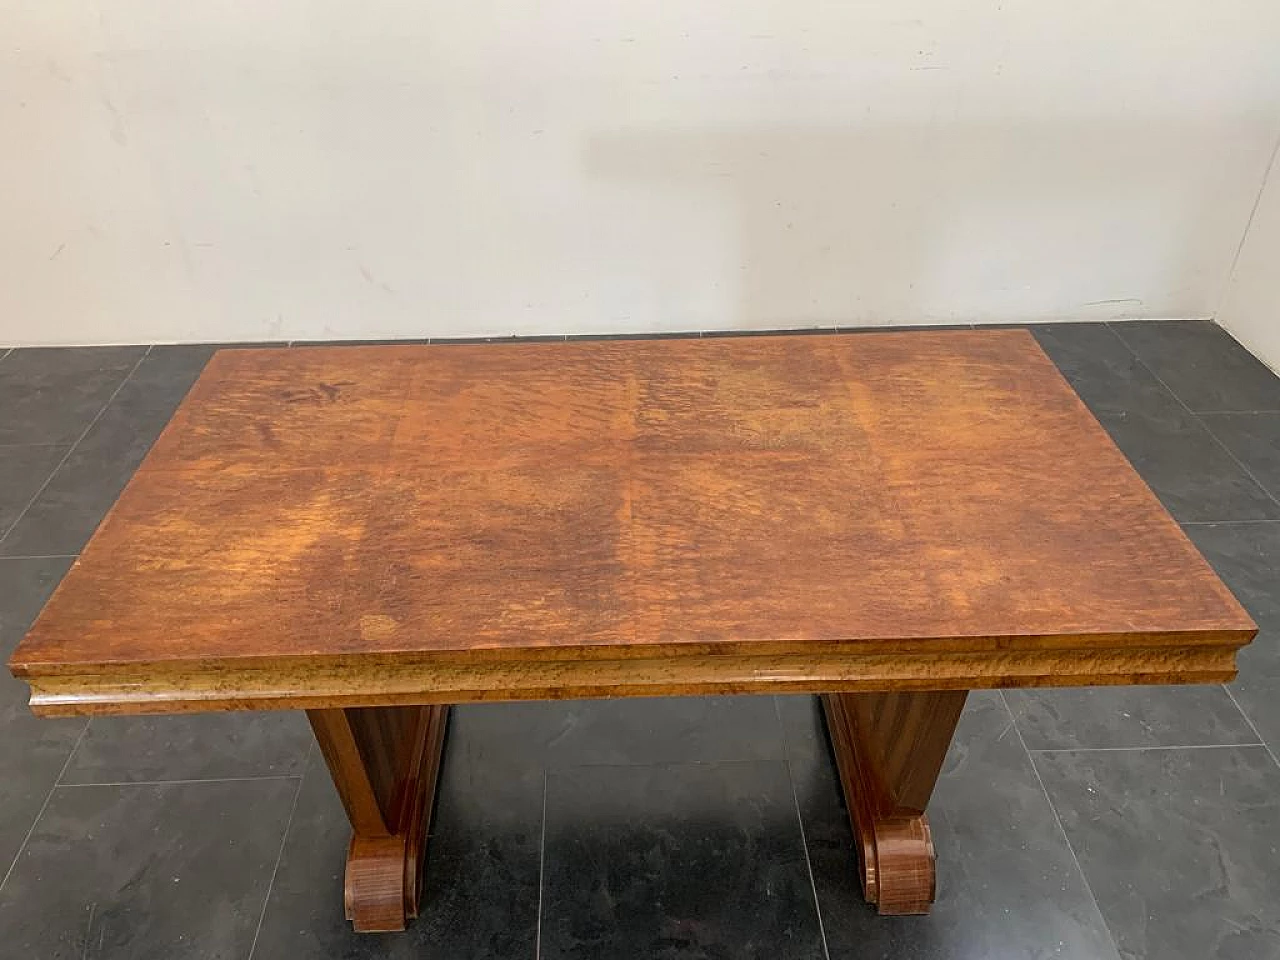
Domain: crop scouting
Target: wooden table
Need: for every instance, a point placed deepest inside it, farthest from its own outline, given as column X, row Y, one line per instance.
column 371, row 533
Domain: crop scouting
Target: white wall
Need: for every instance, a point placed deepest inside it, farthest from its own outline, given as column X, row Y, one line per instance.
column 1251, row 308
column 311, row 168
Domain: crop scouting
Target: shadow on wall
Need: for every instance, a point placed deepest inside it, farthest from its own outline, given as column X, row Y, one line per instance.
column 883, row 225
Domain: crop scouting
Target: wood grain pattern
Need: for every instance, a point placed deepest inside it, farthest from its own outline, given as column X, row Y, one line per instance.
column 384, row 763
column 1182, row 659
column 889, row 749
column 378, row 525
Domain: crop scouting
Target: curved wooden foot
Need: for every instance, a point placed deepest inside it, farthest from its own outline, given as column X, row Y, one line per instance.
column 896, row 858
column 889, row 749
column 384, row 762
column 379, row 893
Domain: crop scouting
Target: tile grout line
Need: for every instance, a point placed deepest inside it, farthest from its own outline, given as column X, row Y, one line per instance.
column 804, row 840
column 1058, row 820
column 284, row 837
column 808, row 862
column 1232, row 413
column 44, row 806
column 72, row 449
column 1216, row 523
column 542, row 869
column 1196, row 417
column 170, row 783
column 1230, row 453
column 1179, row 746
column 1261, row 741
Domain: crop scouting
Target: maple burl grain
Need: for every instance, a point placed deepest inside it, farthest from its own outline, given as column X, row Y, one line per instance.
column 393, row 524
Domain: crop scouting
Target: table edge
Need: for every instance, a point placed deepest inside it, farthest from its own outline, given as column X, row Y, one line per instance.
column 1200, row 656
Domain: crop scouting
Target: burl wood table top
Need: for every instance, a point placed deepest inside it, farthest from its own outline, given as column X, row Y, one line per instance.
column 394, row 524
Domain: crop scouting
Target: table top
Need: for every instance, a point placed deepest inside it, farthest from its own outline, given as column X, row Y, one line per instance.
column 392, row 523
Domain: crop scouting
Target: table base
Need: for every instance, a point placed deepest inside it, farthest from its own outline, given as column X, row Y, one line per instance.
column 889, row 749
column 385, row 762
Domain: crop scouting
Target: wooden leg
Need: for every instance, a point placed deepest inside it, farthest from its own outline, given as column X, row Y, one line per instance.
column 384, row 762
column 889, row 749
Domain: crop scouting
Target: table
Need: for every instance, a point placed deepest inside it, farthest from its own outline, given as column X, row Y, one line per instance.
column 372, row 533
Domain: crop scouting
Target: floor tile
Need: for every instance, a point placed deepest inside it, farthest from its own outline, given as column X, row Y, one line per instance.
column 507, row 735
column 32, row 750
column 1102, row 369
column 480, row 896
column 197, row 747
column 679, row 860
column 69, row 509
column 636, row 730
column 1109, row 717
column 185, row 361
column 1247, row 557
column 804, row 730
column 23, row 469
column 1008, row 885
column 49, row 395
column 1192, row 474
column 665, row 730
column 146, row 872
column 1254, row 440
column 1203, row 365
column 1179, row 846
column 25, row 585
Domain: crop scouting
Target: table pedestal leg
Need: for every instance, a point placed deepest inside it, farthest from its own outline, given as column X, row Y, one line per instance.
column 889, row 749
column 384, row 762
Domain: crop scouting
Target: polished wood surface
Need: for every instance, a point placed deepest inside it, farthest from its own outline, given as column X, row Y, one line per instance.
column 384, row 763
column 346, row 526
column 889, row 750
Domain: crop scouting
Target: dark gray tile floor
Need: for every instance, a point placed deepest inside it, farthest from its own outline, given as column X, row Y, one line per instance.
column 1129, row 822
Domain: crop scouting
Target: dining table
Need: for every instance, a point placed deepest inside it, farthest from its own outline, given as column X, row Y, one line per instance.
column 371, row 534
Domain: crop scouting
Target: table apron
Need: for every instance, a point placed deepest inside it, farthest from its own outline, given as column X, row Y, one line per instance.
column 303, row 684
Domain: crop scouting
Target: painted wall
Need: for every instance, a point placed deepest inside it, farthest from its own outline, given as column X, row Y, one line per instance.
column 1251, row 308
column 314, row 168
